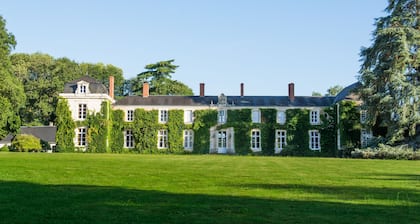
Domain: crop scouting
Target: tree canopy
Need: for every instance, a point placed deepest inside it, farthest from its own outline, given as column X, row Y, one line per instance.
column 158, row 76
column 390, row 71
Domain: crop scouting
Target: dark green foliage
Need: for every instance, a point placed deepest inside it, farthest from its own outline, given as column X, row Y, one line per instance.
column 328, row 131
column 175, row 131
column 99, row 129
column 26, row 143
column 297, row 132
column 117, row 131
column 268, row 130
column 203, row 120
column 240, row 120
column 349, row 125
column 158, row 76
column 65, row 127
column 390, row 73
column 145, row 128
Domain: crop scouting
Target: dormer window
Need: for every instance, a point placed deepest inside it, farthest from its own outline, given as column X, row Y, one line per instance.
column 82, row 87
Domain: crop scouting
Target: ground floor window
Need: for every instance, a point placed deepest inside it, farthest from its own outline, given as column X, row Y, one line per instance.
column 280, row 142
column 188, row 139
column 81, row 136
column 255, row 139
column 162, row 139
column 221, row 139
column 129, row 139
column 365, row 137
column 314, row 140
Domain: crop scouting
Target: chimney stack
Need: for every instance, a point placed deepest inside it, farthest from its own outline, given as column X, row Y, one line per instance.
column 201, row 89
column 145, row 89
column 111, row 86
column 242, row 89
column 291, row 92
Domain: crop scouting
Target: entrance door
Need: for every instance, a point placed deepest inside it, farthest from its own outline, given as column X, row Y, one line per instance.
column 221, row 142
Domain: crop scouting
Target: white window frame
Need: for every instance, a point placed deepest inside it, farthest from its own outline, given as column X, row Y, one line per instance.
column 81, row 137
column 314, row 140
column 281, row 117
column 221, row 139
column 314, row 117
column 256, row 139
column 365, row 137
column 281, row 140
column 83, row 88
column 363, row 116
column 130, row 115
column 222, row 116
column 82, row 111
column 188, row 116
column 128, row 139
column 188, row 139
column 163, row 116
column 256, row 116
column 162, row 139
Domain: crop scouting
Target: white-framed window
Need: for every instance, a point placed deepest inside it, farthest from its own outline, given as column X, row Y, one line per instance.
column 255, row 139
column 188, row 116
column 83, row 88
column 221, row 139
column 128, row 139
column 130, row 115
column 314, row 140
column 82, row 111
column 162, row 139
column 281, row 141
column 363, row 116
column 256, row 116
column 281, row 117
column 81, row 136
column 365, row 137
column 314, row 117
column 163, row 116
column 222, row 116
column 188, row 139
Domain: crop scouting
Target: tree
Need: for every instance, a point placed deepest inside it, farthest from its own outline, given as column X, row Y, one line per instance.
column 390, row 71
column 334, row 90
column 314, row 93
column 159, row 77
column 11, row 90
column 65, row 127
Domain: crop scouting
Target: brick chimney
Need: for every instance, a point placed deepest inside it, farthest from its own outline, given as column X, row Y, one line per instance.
column 242, row 89
column 111, row 86
column 291, row 92
column 145, row 89
column 202, row 89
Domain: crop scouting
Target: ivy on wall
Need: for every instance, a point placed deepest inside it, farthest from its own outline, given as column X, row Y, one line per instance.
column 349, row 127
column 175, row 126
column 145, row 127
column 117, row 131
column 203, row 120
column 241, row 122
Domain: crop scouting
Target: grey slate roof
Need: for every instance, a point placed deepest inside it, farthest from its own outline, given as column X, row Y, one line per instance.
column 46, row 133
column 245, row 101
column 94, row 85
column 348, row 92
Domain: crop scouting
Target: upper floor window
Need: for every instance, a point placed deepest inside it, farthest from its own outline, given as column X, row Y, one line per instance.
column 162, row 139
column 280, row 142
column 188, row 116
column 221, row 116
column 188, row 139
column 163, row 116
column 130, row 115
column 314, row 117
column 128, row 139
column 255, row 139
column 82, row 87
column 314, row 140
column 281, row 117
column 256, row 116
column 363, row 116
column 82, row 111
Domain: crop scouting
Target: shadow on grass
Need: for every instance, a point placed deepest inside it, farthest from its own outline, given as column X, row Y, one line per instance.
column 393, row 176
column 22, row 202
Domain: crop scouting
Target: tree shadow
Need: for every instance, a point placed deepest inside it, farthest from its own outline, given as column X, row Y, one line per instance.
column 393, row 176
column 23, row 202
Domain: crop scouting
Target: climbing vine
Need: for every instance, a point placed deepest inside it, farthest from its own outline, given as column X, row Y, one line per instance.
column 65, row 127
column 175, row 131
column 203, row 120
column 117, row 131
column 145, row 127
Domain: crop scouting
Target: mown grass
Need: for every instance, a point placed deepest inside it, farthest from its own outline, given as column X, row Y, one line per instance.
column 106, row 188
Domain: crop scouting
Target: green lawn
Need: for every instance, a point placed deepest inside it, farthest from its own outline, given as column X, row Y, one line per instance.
column 106, row 188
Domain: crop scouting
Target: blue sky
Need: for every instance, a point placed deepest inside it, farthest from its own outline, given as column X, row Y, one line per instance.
column 263, row 43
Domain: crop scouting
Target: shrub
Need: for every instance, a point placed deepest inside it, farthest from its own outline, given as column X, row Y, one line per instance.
column 26, row 143
column 386, row 152
column 4, row 148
